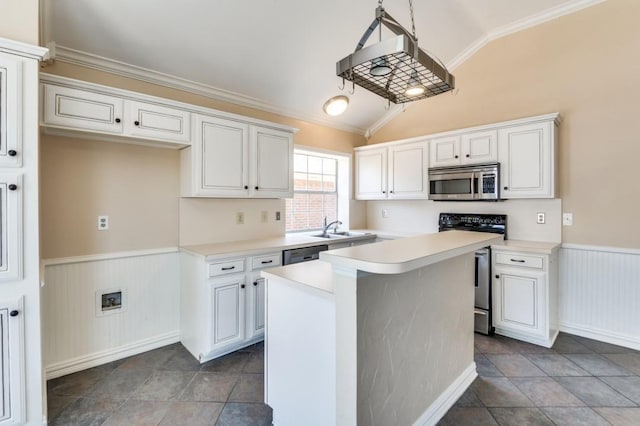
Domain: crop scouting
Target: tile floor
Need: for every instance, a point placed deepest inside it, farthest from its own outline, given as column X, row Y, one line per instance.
column 577, row 382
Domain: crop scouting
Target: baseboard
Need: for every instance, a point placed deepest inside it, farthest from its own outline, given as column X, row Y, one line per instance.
column 103, row 357
column 547, row 343
column 445, row 401
column 632, row 342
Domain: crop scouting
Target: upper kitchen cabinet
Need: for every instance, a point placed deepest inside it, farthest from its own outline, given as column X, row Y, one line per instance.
column 72, row 107
column 371, row 174
column 235, row 159
column 461, row 149
column 398, row 171
column 10, row 90
column 526, row 153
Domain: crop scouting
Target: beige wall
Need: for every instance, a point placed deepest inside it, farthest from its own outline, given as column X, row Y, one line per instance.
column 586, row 67
column 19, row 20
column 138, row 187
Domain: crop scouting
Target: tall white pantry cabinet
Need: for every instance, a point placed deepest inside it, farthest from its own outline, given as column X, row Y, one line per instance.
column 21, row 380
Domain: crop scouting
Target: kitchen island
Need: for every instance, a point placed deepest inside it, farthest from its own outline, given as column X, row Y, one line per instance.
column 377, row 334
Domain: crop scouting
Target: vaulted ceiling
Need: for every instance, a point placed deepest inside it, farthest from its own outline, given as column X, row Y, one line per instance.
column 278, row 55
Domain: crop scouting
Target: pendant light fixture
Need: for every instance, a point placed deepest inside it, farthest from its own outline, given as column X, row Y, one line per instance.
column 395, row 68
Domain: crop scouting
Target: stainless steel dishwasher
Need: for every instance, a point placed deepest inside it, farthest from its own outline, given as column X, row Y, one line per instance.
column 302, row 254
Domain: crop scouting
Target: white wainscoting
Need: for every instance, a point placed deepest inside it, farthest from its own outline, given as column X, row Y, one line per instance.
column 600, row 293
column 75, row 338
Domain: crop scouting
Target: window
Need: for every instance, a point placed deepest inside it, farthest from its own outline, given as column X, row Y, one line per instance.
column 319, row 182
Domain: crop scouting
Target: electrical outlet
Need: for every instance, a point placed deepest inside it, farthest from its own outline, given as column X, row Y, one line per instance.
column 567, row 219
column 264, row 216
column 240, row 218
column 103, row 223
column 540, row 218
column 385, row 213
column 277, row 215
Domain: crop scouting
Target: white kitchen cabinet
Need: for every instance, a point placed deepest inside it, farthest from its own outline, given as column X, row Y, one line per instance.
column 233, row 159
column 462, row 149
column 152, row 121
column 371, row 174
column 525, row 296
column 396, row 172
column 407, row 171
column 82, row 109
column 526, row 154
column 227, row 308
column 11, row 191
column 255, row 306
column 271, row 159
column 11, row 366
column 72, row 107
column 10, row 115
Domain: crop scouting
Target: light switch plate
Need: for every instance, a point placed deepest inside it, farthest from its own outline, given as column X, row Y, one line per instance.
column 385, row 213
column 567, row 219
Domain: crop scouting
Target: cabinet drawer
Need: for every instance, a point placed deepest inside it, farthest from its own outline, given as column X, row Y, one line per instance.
column 514, row 259
column 227, row 267
column 266, row 261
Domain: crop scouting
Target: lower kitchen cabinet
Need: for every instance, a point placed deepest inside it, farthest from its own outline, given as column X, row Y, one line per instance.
column 11, row 367
column 10, row 226
column 525, row 296
column 222, row 303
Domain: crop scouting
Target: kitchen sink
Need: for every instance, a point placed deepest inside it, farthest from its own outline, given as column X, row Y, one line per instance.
column 342, row 234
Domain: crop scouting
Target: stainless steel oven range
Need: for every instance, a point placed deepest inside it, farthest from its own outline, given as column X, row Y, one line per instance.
column 496, row 224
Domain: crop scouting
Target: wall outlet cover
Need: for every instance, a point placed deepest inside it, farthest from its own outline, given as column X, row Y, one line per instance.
column 264, row 216
column 240, row 218
column 540, row 218
column 385, row 213
column 103, row 223
column 277, row 215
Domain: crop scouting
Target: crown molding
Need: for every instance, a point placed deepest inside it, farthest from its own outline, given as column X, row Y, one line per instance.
column 100, row 63
column 23, row 49
column 475, row 46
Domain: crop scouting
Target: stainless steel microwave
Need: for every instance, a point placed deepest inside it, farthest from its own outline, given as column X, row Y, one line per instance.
column 475, row 182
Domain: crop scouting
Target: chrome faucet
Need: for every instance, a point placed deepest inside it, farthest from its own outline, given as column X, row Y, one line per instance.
column 326, row 226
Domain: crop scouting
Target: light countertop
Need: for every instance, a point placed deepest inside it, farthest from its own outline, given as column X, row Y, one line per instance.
column 406, row 254
column 249, row 247
column 527, row 246
column 316, row 274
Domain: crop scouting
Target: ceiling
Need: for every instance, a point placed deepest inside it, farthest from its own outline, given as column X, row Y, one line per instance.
column 278, row 55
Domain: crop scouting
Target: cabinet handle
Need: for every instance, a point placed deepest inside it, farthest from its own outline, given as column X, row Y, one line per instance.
column 12, row 153
column 13, row 187
column 255, row 283
column 517, row 260
column 14, row 313
column 242, row 286
column 118, row 120
column 506, row 188
column 264, row 262
column 456, row 156
column 384, row 192
column 137, row 123
column 467, row 156
column 228, row 268
column 257, row 188
column 246, row 187
column 390, row 192
column 497, row 276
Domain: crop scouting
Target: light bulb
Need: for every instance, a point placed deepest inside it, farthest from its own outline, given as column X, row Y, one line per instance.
column 414, row 87
column 336, row 105
column 380, row 67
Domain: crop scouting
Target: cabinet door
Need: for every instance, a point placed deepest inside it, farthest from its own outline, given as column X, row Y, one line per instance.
column 255, row 307
column 10, row 226
column 444, row 151
column 221, row 157
column 10, row 120
column 11, row 356
column 479, row 147
column 519, row 301
column 525, row 154
column 371, row 174
column 157, row 122
column 408, row 171
column 228, row 301
column 272, row 163
column 82, row 110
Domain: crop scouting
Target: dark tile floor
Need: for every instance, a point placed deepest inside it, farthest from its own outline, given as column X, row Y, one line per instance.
column 166, row 386
column 577, row 382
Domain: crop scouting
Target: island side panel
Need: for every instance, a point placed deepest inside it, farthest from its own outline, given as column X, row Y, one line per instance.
column 414, row 339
